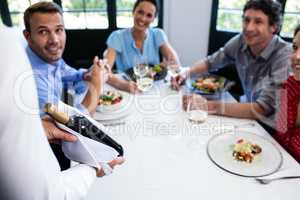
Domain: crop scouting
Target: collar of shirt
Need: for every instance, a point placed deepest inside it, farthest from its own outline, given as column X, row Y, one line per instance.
column 266, row 53
column 39, row 64
column 139, row 51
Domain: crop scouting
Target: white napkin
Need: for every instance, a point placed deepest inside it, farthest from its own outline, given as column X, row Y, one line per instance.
column 86, row 150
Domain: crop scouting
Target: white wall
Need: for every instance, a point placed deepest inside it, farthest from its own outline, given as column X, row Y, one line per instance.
column 186, row 23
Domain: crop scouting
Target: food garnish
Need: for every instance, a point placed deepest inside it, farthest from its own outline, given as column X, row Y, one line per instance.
column 245, row 151
column 209, row 84
column 110, row 98
column 157, row 68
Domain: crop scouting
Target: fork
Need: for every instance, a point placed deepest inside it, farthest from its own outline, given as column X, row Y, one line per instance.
column 248, row 124
column 269, row 180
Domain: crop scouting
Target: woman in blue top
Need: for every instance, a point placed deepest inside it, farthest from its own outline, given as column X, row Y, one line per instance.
column 140, row 40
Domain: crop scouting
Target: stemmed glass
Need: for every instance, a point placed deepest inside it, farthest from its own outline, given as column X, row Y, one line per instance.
column 172, row 66
column 197, row 109
column 142, row 73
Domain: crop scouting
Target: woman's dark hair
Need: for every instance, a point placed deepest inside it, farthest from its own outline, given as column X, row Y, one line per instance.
column 271, row 8
column 154, row 2
column 40, row 7
column 297, row 29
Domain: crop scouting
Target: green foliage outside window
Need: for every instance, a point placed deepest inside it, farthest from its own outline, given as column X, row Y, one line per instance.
column 291, row 18
column 230, row 16
column 17, row 8
column 84, row 4
column 236, row 4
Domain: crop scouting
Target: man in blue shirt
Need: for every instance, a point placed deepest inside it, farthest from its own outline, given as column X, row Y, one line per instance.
column 46, row 37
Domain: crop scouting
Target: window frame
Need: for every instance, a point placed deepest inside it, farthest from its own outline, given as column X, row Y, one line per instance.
column 111, row 14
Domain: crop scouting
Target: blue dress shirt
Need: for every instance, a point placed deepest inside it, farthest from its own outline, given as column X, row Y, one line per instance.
column 124, row 44
column 51, row 78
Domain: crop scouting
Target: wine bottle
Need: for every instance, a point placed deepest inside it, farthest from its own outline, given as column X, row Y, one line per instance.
column 82, row 125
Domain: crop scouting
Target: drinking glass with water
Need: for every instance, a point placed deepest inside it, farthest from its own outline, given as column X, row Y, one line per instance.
column 197, row 109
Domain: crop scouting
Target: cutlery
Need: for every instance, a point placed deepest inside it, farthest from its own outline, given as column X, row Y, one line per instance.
column 269, row 180
column 280, row 175
column 250, row 124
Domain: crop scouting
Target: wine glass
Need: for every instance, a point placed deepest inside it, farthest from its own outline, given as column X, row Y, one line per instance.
column 144, row 78
column 172, row 66
column 197, row 109
column 140, row 68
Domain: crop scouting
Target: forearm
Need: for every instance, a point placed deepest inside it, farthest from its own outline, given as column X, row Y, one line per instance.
column 90, row 101
column 117, row 82
column 110, row 55
column 199, row 67
column 240, row 110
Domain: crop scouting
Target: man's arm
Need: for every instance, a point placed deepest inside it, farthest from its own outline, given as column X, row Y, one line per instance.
column 222, row 57
column 55, row 134
column 239, row 110
column 199, row 67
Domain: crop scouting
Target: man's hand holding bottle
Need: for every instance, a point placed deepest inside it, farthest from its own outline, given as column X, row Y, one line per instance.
column 55, row 134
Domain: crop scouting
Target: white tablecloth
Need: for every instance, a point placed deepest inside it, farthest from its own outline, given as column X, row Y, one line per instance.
column 166, row 157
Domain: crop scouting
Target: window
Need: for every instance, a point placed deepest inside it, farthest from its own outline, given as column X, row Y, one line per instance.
column 230, row 15
column 230, row 11
column 17, row 9
column 124, row 14
column 291, row 17
column 81, row 14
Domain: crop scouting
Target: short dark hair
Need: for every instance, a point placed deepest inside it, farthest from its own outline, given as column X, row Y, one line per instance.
column 40, row 7
column 297, row 29
column 154, row 2
column 271, row 8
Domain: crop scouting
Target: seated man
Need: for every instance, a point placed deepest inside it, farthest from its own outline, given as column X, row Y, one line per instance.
column 46, row 37
column 260, row 57
column 28, row 168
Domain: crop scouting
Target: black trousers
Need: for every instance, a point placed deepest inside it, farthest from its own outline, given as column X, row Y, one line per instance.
column 63, row 161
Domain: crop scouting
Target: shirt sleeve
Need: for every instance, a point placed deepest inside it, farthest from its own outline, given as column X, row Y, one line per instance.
column 160, row 37
column 115, row 41
column 225, row 55
column 74, row 77
column 46, row 93
column 273, row 83
column 71, row 74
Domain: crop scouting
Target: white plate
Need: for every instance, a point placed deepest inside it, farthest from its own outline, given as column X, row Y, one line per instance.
column 123, row 110
column 99, row 116
column 114, row 108
column 219, row 149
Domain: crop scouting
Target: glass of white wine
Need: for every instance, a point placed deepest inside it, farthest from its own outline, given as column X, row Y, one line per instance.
column 143, row 75
column 197, row 109
column 172, row 66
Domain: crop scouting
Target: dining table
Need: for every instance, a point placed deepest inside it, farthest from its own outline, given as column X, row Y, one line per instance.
column 167, row 158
